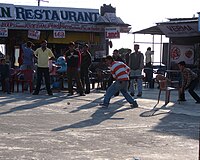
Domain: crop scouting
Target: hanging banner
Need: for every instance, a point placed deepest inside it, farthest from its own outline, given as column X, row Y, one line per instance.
column 182, row 53
column 112, row 32
column 59, row 33
column 34, row 34
column 3, row 32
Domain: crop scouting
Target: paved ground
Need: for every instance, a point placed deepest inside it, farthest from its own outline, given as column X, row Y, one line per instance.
column 49, row 128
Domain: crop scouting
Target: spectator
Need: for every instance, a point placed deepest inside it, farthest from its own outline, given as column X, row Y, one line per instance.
column 85, row 64
column 72, row 57
column 27, row 59
column 43, row 55
column 136, row 63
column 148, row 55
column 127, row 56
column 28, row 56
column 5, row 75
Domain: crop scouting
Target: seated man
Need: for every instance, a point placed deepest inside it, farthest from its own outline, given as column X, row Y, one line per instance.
column 5, row 75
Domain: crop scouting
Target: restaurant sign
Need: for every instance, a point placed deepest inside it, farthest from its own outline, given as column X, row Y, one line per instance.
column 112, row 32
column 34, row 13
column 180, row 30
column 3, row 32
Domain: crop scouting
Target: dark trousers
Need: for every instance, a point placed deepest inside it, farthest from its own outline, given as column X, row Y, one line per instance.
column 85, row 80
column 74, row 73
column 191, row 88
column 5, row 82
column 40, row 73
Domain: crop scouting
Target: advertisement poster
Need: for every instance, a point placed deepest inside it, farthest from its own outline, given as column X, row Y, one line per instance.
column 33, row 34
column 112, row 32
column 3, row 32
column 59, row 33
column 182, row 53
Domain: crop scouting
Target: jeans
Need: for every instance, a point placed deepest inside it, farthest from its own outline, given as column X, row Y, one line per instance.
column 121, row 86
column 137, row 72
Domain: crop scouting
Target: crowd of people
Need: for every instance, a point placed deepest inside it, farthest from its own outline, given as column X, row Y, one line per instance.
column 124, row 72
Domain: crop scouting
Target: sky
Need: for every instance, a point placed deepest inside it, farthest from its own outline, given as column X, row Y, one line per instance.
column 139, row 14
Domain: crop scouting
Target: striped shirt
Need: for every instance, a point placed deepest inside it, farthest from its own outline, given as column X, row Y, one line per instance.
column 120, row 71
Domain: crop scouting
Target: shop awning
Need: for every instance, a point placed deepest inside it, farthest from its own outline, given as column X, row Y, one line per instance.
column 154, row 30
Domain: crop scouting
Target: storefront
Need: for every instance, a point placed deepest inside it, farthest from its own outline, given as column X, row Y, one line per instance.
column 58, row 26
column 184, row 41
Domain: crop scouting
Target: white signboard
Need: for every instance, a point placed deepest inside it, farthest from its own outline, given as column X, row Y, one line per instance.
column 33, row 34
column 112, row 32
column 182, row 53
column 59, row 34
column 3, row 32
column 35, row 13
column 180, row 30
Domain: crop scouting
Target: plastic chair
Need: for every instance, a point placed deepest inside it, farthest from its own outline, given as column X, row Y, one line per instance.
column 164, row 86
column 23, row 77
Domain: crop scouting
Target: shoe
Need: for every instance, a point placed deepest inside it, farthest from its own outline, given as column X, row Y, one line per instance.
column 35, row 93
column 50, row 94
column 82, row 94
column 139, row 95
column 132, row 94
column 134, row 105
column 181, row 100
column 103, row 106
column 87, row 92
column 8, row 93
column 197, row 102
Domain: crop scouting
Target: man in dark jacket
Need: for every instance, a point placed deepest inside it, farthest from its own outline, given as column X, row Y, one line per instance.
column 72, row 58
column 86, row 61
